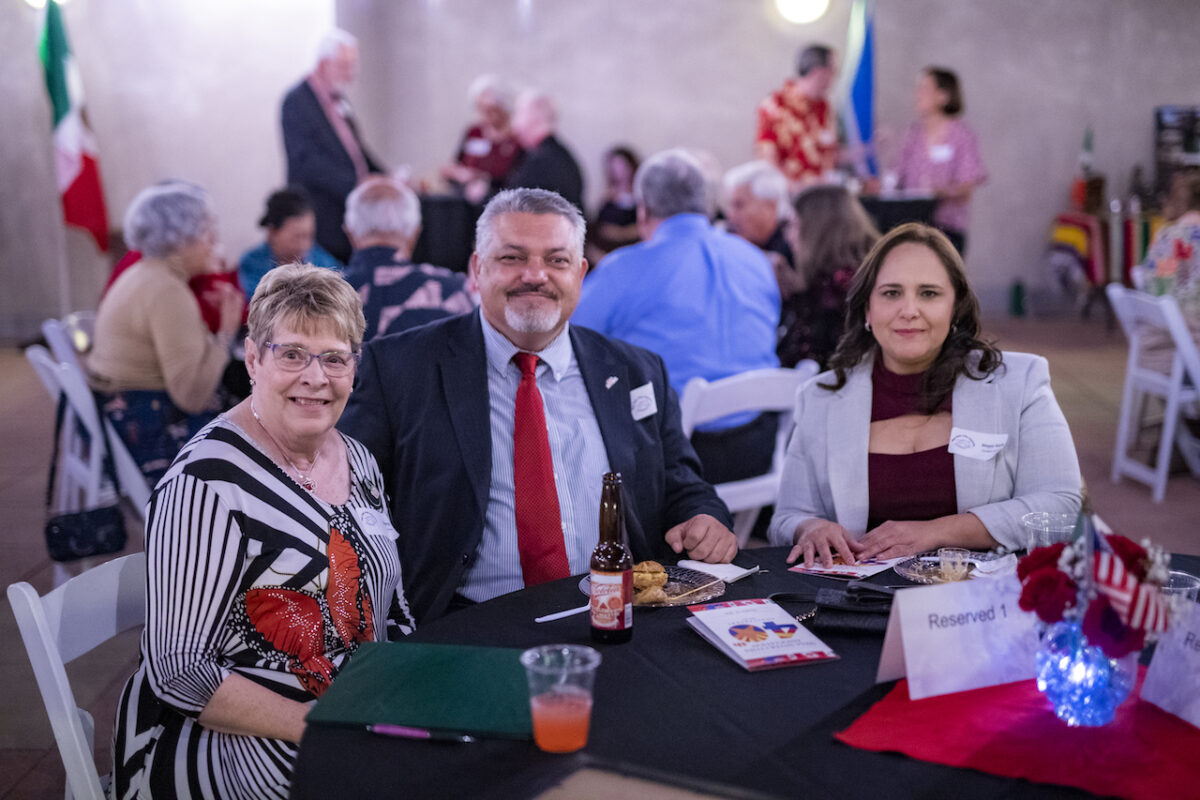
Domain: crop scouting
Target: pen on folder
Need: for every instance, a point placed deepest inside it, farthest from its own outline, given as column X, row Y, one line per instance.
column 405, row 732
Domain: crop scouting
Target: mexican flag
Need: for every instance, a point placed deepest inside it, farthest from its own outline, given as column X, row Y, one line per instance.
column 74, row 145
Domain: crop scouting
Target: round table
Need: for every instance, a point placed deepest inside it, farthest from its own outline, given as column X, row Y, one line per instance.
column 666, row 701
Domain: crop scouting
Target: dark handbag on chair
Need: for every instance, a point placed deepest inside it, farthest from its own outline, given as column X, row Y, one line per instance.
column 93, row 531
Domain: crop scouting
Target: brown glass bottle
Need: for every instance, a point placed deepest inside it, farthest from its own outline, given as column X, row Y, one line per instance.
column 612, row 570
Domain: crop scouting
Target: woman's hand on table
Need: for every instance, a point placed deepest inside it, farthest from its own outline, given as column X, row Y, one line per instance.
column 894, row 538
column 820, row 539
column 705, row 539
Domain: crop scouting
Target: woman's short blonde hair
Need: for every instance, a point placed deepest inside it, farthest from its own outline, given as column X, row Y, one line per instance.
column 309, row 299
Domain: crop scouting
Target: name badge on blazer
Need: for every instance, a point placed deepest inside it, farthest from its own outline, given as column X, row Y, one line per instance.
column 975, row 444
column 642, row 401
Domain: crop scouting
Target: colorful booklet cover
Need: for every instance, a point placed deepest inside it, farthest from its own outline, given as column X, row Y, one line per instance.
column 757, row 634
column 840, row 569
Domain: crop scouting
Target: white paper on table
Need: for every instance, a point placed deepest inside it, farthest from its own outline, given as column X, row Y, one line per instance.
column 958, row 636
column 1173, row 679
column 726, row 572
column 863, row 569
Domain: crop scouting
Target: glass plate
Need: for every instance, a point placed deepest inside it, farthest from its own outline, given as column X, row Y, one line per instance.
column 927, row 568
column 684, row 587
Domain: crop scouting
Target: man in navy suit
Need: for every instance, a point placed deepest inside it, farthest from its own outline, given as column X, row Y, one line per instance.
column 436, row 406
column 325, row 153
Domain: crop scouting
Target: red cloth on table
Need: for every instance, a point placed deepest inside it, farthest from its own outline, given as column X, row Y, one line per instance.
column 1010, row 730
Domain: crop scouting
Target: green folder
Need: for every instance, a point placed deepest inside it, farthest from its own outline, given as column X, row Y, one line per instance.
column 443, row 687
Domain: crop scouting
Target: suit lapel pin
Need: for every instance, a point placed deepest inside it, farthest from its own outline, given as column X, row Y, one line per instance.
column 612, row 379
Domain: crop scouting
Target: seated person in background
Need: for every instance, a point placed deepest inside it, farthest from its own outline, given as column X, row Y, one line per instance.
column 546, row 163
column 269, row 559
column 291, row 229
column 1172, row 266
column 833, row 236
column 494, row 429
column 704, row 300
column 154, row 364
column 383, row 220
column 616, row 221
column 923, row 435
column 488, row 150
column 758, row 209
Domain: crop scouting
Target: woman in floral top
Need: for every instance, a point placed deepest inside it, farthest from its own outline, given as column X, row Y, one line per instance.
column 1172, row 264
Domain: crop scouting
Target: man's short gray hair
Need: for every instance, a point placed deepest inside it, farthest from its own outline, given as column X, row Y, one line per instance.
column 671, row 182
column 528, row 201
column 501, row 92
column 382, row 206
column 765, row 182
column 331, row 43
column 167, row 217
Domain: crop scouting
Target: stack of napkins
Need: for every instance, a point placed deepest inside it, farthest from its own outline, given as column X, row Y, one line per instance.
column 726, row 572
column 757, row 634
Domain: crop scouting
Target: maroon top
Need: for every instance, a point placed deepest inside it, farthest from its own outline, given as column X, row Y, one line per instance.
column 908, row 486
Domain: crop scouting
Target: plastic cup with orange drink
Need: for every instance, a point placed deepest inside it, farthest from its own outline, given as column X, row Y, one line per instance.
column 561, row 677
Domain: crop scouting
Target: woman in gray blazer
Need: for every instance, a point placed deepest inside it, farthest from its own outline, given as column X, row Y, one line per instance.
column 921, row 435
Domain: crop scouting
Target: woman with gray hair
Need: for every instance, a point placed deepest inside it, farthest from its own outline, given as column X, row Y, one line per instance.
column 269, row 560
column 489, row 149
column 155, row 365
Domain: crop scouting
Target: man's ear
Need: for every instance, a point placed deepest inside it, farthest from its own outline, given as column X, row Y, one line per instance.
column 474, row 265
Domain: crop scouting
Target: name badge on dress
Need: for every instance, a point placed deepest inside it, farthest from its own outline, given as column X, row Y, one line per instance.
column 941, row 153
column 477, row 147
column 642, row 401
column 975, row 444
column 374, row 523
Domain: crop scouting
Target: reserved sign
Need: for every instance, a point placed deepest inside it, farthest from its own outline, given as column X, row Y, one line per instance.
column 958, row 636
column 1173, row 680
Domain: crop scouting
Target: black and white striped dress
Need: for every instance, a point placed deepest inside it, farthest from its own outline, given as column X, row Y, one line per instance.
column 248, row 574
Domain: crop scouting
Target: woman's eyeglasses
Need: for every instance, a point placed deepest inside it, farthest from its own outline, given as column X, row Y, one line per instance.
column 293, row 358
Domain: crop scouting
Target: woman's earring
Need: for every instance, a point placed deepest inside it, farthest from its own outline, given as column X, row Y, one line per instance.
column 252, row 383
column 867, row 325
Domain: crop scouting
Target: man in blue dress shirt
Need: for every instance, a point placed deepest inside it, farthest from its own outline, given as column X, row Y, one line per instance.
column 704, row 300
column 436, row 407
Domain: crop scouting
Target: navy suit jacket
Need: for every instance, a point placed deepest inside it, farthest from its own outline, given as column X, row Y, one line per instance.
column 317, row 161
column 421, row 407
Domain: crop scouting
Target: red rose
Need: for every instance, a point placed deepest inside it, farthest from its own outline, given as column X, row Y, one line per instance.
column 1103, row 627
column 1039, row 558
column 1049, row 592
column 1132, row 555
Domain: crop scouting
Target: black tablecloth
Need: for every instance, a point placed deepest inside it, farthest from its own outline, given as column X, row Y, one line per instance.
column 668, row 701
column 890, row 212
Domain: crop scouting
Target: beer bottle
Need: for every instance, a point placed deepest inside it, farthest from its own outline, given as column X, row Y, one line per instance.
column 612, row 570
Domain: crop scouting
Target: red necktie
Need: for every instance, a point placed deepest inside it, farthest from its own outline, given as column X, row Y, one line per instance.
column 539, row 523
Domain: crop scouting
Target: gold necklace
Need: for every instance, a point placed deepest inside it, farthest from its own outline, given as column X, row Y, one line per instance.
column 306, row 481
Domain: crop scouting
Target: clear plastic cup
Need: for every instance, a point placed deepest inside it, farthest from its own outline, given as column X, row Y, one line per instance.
column 1182, row 584
column 561, row 677
column 1044, row 528
column 953, row 562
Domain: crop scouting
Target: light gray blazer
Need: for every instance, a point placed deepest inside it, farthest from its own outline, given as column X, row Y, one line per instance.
column 825, row 472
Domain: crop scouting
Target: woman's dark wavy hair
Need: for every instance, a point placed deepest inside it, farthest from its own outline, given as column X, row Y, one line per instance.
column 956, row 357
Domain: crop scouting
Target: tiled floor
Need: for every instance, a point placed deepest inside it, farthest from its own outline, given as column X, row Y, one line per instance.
column 1087, row 365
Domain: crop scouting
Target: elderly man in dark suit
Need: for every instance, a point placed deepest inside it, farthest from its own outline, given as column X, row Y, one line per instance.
column 325, row 151
column 546, row 162
column 493, row 430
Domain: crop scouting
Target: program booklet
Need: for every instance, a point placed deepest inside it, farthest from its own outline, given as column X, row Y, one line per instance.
column 757, row 634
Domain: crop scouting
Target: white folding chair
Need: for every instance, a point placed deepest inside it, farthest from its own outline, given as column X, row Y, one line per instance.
column 83, row 613
column 758, row 390
column 58, row 337
column 133, row 482
column 76, row 486
column 1140, row 314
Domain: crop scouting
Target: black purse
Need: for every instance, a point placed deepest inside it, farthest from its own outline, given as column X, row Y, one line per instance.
column 93, row 531
column 858, row 608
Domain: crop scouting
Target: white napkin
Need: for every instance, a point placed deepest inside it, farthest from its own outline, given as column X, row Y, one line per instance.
column 995, row 567
column 726, row 572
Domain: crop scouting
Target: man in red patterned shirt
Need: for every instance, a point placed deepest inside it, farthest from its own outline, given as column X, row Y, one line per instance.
column 797, row 127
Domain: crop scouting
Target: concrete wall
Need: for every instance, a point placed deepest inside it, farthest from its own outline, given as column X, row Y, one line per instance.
column 186, row 88
column 192, row 87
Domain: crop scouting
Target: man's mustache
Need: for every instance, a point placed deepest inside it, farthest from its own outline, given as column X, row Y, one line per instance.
column 544, row 291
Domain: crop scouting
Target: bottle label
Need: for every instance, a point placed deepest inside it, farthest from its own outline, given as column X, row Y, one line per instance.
column 612, row 600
